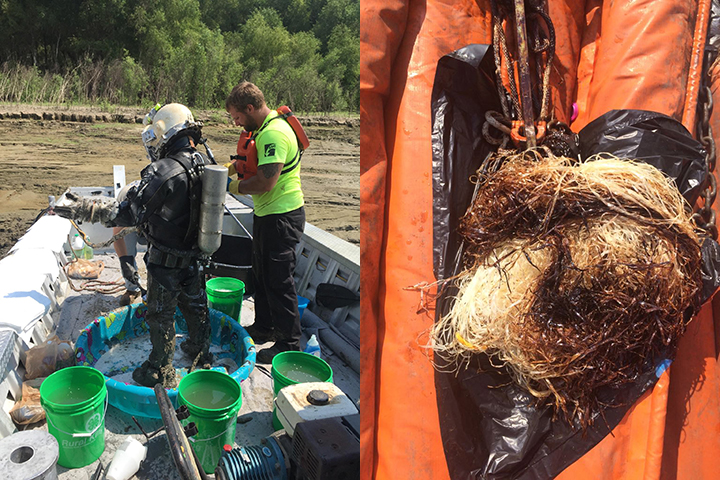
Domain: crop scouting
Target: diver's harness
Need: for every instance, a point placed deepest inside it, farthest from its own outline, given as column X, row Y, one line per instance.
column 194, row 168
column 158, row 254
column 246, row 160
column 171, row 257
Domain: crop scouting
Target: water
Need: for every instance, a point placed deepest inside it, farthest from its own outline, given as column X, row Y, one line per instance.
column 206, row 395
column 119, row 362
column 72, row 396
column 300, row 373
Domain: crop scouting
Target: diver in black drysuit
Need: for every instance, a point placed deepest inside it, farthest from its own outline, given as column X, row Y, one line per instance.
column 165, row 205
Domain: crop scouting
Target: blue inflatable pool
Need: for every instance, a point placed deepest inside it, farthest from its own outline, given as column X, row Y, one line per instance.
column 129, row 322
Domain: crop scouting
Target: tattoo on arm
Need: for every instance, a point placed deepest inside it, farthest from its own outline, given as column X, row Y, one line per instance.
column 269, row 170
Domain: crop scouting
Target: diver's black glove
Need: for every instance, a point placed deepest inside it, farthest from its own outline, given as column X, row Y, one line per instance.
column 87, row 209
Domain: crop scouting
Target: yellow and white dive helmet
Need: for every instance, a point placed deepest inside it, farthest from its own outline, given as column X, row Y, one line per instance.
column 163, row 124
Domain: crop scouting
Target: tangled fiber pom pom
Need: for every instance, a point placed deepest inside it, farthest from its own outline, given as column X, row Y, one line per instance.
column 577, row 277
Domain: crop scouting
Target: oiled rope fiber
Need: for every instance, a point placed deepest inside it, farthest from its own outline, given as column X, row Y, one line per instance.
column 577, row 277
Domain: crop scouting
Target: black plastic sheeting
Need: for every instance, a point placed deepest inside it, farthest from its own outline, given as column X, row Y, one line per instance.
column 464, row 90
column 666, row 144
column 490, row 427
column 653, row 138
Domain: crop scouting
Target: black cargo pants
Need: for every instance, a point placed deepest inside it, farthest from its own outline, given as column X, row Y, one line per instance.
column 273, row 263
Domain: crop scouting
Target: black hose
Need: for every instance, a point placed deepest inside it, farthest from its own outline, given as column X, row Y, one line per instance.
column 42, row 212
column 203, row 475
column 208, row 151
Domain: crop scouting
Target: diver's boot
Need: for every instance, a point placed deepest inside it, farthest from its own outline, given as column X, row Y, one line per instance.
column 148, row 375
column 129, row 297
column 192, row 350
column 266, row 355
column 132, row 280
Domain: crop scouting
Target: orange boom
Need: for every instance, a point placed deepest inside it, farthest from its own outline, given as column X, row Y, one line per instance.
column 624, row 54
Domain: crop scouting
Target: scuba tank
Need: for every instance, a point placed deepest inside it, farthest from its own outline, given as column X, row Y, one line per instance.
column 214, row 181
column 212, row 203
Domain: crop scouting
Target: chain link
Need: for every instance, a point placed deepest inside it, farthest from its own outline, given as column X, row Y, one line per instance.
column 704, row 217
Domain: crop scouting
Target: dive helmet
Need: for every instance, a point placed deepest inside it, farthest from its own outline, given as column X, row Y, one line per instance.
column 163, row 124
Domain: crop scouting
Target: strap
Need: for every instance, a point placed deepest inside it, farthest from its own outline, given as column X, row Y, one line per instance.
column 284, row 116
column 157, row 220
column 193, row 172
column 289, row 167
column 166, row 259
column 293, row 163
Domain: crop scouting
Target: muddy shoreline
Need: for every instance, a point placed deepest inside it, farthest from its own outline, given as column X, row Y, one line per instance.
column 43, row 151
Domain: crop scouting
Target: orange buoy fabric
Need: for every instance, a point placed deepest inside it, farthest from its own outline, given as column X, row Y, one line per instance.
column 610, row 55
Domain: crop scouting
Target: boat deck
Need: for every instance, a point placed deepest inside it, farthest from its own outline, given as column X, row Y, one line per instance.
column 76, row 309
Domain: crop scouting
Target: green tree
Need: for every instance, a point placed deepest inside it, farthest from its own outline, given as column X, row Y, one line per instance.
column 298, row 16
column 264, row 38
column 301, row 52
column 163, row 26
column 334, row 13
column 225, row 15
column 293, row 78
column 103, row 30
column 126, row 81
column 341, row 65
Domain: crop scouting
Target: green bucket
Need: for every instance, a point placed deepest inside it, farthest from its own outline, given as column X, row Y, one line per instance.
column 75, row 402
column 290, row 368
column 213, row 399
column 225, row 294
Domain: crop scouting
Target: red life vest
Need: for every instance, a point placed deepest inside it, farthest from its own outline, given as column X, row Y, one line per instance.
column 246, row 160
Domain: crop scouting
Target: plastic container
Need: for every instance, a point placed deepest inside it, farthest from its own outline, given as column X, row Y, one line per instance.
column 226, row 295
column 313, row 346
column 302, row 304
column 304, row 402
column 81, row 249
column 127, row 459
column 75, row 402
column 78, row 246
column 128, row 322
column 291, row 368
column 214, row 400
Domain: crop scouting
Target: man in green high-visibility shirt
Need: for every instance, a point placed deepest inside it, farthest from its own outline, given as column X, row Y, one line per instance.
column 279, row 218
